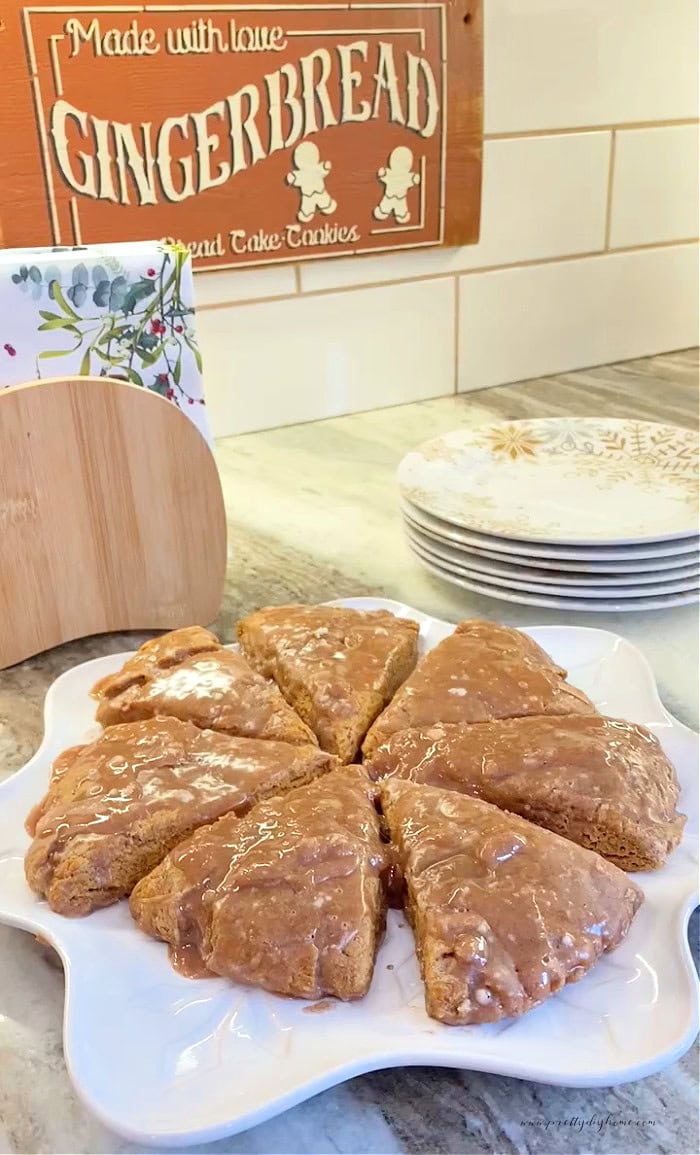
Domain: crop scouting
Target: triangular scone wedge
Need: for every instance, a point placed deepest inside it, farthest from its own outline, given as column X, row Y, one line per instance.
column 603, row 783
column 187, row 674
column 289, row 898
column 504, row 913
column 337, row 667
column 115, row 807
column 480, row 672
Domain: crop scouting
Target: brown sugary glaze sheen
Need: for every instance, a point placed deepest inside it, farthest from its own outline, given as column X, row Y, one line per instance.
column 268, row 870
column 603, row 783
column 289, row 898
column 481, row 672
column 504, row 913
column 187, row 674
column 337, row 667
column 115, row 807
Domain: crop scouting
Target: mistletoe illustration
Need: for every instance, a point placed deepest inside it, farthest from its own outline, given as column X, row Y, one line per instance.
column 141, row 332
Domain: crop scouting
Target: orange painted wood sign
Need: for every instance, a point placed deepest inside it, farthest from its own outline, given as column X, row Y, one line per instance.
column 253, row 133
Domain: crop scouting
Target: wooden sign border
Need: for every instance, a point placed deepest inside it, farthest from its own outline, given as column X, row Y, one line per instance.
column 461, row 23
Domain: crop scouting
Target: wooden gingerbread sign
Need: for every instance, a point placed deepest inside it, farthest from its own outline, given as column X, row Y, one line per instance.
column 253, row 134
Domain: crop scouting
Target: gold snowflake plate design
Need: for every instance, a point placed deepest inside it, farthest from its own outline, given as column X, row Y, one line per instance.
column 577, row 480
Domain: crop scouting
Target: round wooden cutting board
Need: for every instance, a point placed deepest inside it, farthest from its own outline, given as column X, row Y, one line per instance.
column 111, row 515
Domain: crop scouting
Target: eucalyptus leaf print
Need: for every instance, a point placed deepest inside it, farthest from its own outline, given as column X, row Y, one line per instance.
column 78, row 291
column 116, row 319
column 101, row 294
column 51, row 273
column 138, row 292
column 117, row 293
column 29, row 279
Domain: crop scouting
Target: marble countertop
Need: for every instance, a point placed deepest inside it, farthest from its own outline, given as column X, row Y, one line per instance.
column 312, row 516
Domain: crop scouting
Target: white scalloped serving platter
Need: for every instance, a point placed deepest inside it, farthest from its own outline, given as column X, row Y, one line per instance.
column 164, row 1060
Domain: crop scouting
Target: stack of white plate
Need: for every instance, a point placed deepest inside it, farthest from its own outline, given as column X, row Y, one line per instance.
column 570, row 513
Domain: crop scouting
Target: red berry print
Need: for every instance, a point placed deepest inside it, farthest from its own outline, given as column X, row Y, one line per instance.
column 150, row 272
column 10, row 349
column 178, row 328
column 190, row 400
column 157, row 326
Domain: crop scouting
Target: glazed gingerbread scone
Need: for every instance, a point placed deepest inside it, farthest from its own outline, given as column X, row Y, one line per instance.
column 337, row 667
column 504, row 913
column 481, row 672
column 187, row 674
column 290, row 898
column 603, row 783
column 122, row 802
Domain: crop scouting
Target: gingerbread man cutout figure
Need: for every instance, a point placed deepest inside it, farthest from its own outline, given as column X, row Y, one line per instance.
column 309, row 176
column 397, row 179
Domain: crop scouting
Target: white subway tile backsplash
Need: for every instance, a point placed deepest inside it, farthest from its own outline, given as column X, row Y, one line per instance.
column 655, row 187
column 243, row 284
column 543, row 196
column 280, row 362
column 538, row 320
column 401, row 266
column 551, row 67
column 568, row 63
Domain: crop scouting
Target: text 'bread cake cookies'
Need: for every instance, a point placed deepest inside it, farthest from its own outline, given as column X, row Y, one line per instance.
column 337, row 667
column 504, row 913
column 290, row 898
column 188, row 674
column 481, row 672
column 115, row 807
column 603, row 783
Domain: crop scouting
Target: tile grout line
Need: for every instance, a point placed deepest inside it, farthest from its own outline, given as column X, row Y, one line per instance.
column 524, row 382
column 611, row 183
column 455, row 307
column 531, row 134
column 536, row 262
column 632, row 126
